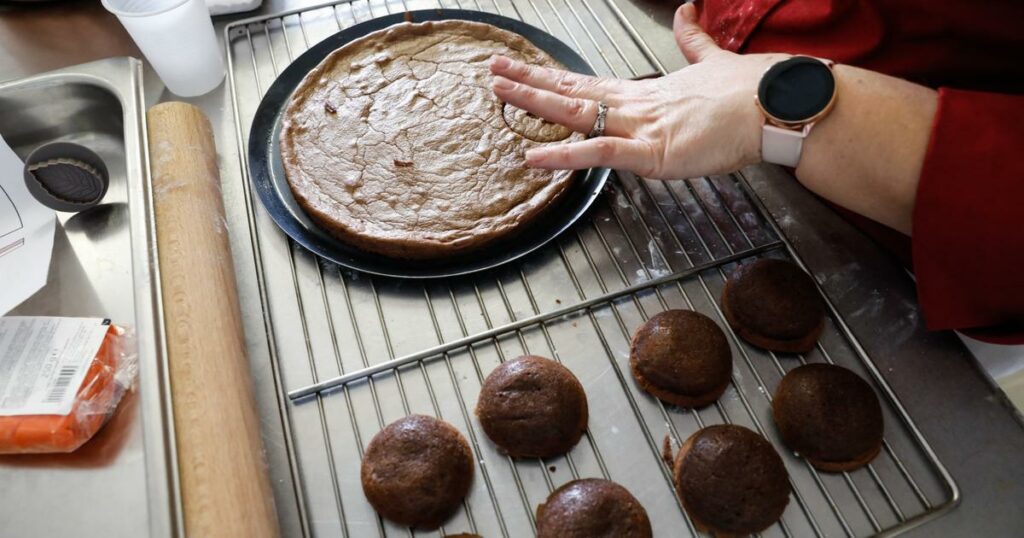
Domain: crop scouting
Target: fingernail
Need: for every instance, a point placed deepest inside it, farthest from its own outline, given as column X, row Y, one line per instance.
column 690, row 12
column 500, row 62
column 502, row 83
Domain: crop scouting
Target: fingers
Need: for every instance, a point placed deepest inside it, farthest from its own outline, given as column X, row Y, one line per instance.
column 695, row 44
column 571, row 99
column 575, row 113
column 607, row 151
column 554, row 80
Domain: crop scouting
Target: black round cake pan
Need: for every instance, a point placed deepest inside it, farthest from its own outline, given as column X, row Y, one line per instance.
column 271, row 186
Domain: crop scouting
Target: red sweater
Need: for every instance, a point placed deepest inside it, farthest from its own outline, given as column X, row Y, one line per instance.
column 968, row 223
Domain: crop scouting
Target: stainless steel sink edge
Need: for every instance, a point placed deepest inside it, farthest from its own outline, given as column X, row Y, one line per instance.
column 123, row 78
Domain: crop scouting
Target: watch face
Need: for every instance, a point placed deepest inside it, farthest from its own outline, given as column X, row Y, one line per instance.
column 797, row 89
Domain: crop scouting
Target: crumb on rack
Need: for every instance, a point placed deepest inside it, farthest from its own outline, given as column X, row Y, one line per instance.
column 666, row 451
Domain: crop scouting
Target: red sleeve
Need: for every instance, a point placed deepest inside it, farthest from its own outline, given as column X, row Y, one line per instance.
column 968, row 228
column 845, row 31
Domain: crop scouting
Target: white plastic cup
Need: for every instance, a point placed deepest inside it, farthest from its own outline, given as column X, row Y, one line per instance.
column 178, row 40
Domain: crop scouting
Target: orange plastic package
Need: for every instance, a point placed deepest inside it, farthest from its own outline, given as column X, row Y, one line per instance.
column 110, row 373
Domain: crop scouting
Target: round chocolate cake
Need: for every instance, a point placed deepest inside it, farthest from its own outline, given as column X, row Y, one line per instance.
column 397, row 145
column 828, row 415
column 681, row 357
column 532, row 407
column 773, row 304
column 731, row 480
column 592, row 508
column 416, row 471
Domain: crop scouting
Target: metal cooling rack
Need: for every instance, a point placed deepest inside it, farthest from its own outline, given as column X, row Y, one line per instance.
column 354, row 353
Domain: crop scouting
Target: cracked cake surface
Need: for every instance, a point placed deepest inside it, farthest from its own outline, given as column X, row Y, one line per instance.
column 397, row 145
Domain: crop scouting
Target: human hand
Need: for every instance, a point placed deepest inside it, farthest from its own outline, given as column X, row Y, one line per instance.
column 697, row 121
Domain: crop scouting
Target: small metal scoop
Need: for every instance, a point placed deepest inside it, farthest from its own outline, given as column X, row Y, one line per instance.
column 66, row 177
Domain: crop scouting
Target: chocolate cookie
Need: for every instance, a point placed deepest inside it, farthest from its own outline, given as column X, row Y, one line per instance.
column 731, row 480
column 828, row 415
column 592, row 508
column 397, row 145
column 773, row 304
column 416, row 471
column 681, row 357
column 532, row 407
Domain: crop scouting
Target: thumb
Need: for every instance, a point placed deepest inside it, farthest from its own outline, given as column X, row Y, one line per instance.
column 695, row 44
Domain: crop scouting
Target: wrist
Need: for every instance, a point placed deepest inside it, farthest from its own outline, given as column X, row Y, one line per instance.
column 754, row 120
column 886, row 118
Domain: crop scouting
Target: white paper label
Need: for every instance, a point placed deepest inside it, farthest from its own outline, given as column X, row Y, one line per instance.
column 26, row 234
column 43, row 361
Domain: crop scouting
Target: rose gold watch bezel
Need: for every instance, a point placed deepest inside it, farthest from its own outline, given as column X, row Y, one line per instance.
column 799, row 125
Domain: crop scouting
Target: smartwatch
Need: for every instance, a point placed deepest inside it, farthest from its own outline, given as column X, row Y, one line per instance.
column 793, row 95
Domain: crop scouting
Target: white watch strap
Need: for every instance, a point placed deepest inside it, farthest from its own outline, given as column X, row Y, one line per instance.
column 782, row 146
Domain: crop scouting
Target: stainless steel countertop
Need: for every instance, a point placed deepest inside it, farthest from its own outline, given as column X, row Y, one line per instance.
column 968, row 421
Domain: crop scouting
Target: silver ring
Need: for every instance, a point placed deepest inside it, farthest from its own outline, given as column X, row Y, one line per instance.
column 602, row 116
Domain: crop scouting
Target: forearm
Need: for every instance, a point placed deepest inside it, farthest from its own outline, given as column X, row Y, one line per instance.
column 866, row 155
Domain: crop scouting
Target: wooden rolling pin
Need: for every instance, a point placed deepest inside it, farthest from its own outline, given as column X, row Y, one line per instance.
column 224, row 483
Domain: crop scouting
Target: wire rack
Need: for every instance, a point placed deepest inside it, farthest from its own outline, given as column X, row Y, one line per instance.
column 353, row 353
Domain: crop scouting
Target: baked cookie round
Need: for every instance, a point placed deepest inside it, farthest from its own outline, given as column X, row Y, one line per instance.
column 533, row 127
column 592, row 508
column 828, row 415
column 416, row 471
column 681, row 357
column 531, row 406
column 774, row 305
column 397, row 145
column 731, row 480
